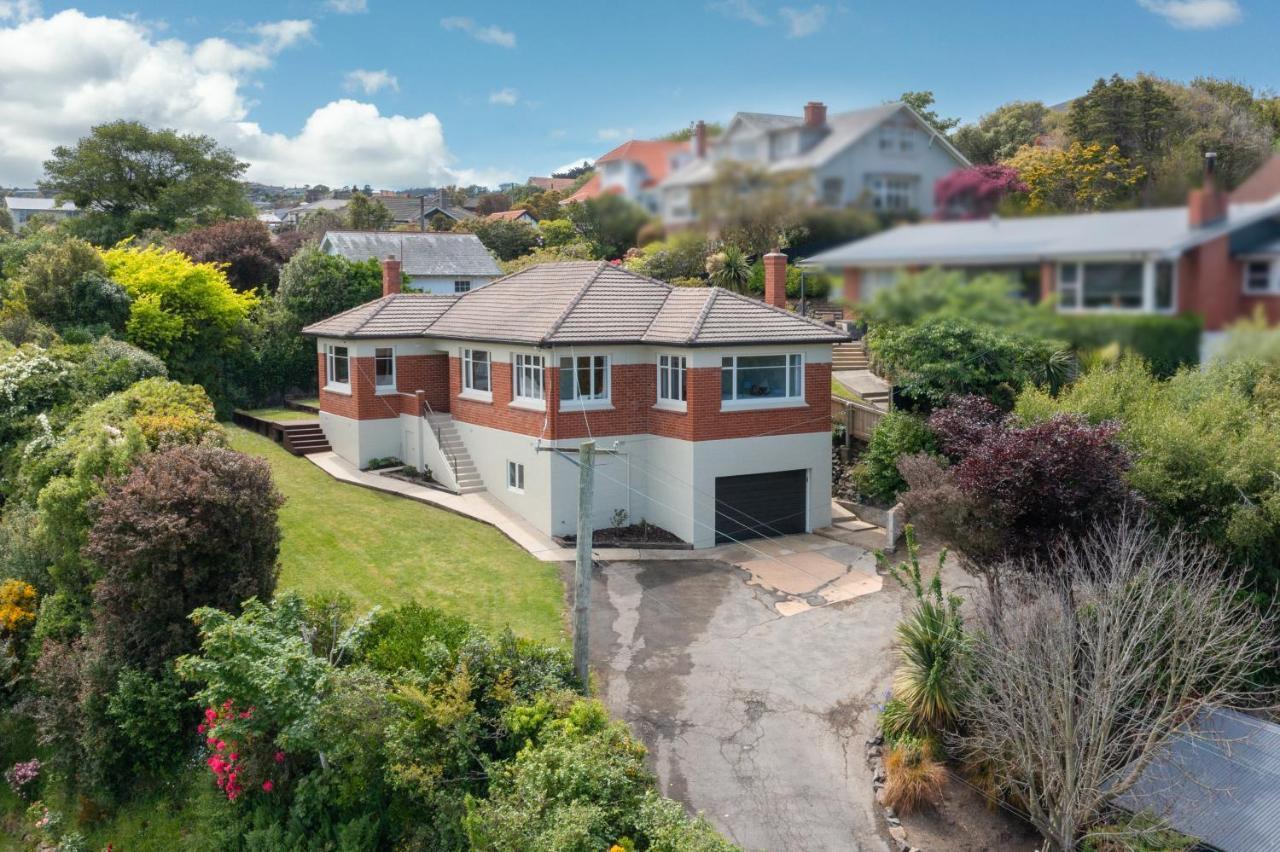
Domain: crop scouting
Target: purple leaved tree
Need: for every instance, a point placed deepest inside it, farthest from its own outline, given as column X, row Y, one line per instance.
column 975, row 192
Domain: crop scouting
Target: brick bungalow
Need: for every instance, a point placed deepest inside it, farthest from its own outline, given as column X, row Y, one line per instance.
column 713, row 407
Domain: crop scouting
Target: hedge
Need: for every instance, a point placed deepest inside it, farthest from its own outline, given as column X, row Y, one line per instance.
column 1166, row 342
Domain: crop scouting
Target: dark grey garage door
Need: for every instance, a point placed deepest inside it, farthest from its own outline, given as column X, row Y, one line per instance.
column 759, row 505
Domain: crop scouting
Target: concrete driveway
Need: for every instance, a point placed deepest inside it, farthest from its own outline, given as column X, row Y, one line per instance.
column 752, row 716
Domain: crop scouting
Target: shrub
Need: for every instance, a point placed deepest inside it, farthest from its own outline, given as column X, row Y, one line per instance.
column 315, row 285
column 898, row 434
column 189, row 527
column 816, row 284
column 507, row 240
column 1166, row 343
column 568, row 252
column 48, row 274
column 913, row 779
column 964, row 424
column 608, row 223
column 242, row 246
column 683, row 255
column 17, row 606
column 557, row 232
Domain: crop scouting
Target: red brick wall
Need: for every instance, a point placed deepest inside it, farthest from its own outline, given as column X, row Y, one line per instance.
column 710, row 423
column 413, row 373
column 497, row 414
column 1209, row 283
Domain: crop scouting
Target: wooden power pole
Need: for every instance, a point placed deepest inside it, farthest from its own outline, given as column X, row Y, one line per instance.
column 582, row 574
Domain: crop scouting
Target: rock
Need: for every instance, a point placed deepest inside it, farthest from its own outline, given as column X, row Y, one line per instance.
column 893, row 821
column 875, row 751
column 890, row 814
column 899, row 835
column 880, row 797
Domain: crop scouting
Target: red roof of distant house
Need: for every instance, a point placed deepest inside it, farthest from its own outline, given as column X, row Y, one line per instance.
column 1262, row 185
column 552, row 183
column 510, row 215
column 590, row 189
column 653, row 154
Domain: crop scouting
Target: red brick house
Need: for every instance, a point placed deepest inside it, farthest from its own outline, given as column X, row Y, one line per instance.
column 713, row 407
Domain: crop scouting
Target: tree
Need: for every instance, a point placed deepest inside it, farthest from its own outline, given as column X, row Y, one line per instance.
column 1136, row 117
column 752, row 208
column 315, row 224
column 1082, row 675
column 140, row 178
column 244, row 246
column 6, row 221
column 506, row 239
column 999, row 134
column 440, row 223
column 975, row 192
column 729, row 268
column 1079, row 179
column 368, row 214
column 543, row 206
column 189, row 527
column 48, row 276
column 585, row 168
column 609, row 223
column 493, row 202
column 714, row 129
column 922, row 103
column 557, row 232
column 315, row 285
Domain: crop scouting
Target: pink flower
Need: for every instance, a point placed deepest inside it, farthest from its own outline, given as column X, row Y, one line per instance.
column 235, row 756
column 267, row 786
column 279, row 757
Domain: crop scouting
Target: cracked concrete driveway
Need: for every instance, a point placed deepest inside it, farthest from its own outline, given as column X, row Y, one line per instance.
column 756, row 719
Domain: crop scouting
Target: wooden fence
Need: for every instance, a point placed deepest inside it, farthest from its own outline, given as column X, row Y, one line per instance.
column 858, row 418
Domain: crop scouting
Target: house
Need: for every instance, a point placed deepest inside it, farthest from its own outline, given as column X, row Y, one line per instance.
column 431, row 262
column 887, row 158
column 1214, row 257
column 270, row 219
column 634, row 170
column 552, row 184
column 711, row 409
column 513, row 216
column 435, row 205
column 1216, row 782
column 294, row 215
column 22, row 209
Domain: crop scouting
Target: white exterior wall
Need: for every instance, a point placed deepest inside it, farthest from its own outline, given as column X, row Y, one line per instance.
column 491, row 449
column 360, row 441
column 444, row 283
column 928, row 161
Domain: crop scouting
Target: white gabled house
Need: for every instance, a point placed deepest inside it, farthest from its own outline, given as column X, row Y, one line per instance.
column 433, row 262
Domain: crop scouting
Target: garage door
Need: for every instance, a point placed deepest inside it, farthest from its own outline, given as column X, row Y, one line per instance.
column 760, row 505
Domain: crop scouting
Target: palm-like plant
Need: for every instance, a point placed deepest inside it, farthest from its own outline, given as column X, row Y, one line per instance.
column 729, row 268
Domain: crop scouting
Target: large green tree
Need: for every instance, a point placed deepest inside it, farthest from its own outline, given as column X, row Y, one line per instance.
column 368, row 214
column 1000, row 133
column 132, row 177
column 922, row 103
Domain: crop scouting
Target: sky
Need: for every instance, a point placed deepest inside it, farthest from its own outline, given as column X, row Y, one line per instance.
column 398, row 94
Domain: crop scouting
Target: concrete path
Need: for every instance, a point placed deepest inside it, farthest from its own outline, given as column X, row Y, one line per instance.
column 757, row 720
column 861, row 382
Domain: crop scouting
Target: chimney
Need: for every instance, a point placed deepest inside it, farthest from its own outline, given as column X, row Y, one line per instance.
column 1208, row 204
column 700, row 139
column 390, row 275
column 815, row 114
column 775, row 279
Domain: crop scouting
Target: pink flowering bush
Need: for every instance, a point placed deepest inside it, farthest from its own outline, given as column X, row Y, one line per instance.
column 239, row 753
column 975, row 192
column 22, row 775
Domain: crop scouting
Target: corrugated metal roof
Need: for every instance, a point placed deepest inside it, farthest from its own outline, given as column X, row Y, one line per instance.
column 1030, row 239
column 419, row 253
column 1219, row 783
column 14, row 202
column 579, row 303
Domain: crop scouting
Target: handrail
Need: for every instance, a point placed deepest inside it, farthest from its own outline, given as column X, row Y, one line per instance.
column 435, row 430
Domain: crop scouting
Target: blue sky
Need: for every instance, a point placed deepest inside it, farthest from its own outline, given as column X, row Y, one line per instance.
column 520, row 88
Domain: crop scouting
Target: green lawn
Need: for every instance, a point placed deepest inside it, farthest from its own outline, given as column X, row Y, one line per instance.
column 844, row 392
column 380, row 549
column 281, row 414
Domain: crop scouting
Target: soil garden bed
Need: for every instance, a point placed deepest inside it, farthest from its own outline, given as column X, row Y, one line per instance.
column 632, row 535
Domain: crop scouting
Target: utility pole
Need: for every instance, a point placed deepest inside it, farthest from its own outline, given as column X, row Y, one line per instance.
column 582, row 574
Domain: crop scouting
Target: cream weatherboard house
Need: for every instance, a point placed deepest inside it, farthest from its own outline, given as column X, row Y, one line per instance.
column 713, row 407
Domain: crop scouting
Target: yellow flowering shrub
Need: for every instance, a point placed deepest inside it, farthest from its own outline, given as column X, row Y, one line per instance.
column 17, row 606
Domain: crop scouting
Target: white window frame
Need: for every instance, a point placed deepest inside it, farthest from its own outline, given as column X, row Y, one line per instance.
column 331, row 357
column 462, row 285
column 469, row 360
column 515, row 476
column 596, row 399
column 1071, row 294
column 1273, row 276
column 674, row 369
column 893, row 193
column 526, row 371
column 795, row 391
column 391, row 356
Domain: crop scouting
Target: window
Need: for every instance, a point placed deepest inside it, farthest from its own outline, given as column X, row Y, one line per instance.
column 832, row 191
column 528, row 378
column 584, row 378
column 892, row 193
column 384, row 369
column 1257, row 276
column 1104, row 286
column 671, row 373
column 462, row 286
column 475, row 370
column 751, row 377
column 1165, row 284
column 337, row 367
column 895, row 138
column 515, row 477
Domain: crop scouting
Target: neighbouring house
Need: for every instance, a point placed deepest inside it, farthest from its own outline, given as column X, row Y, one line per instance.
column 1215, row 257
column 270, row 219
column 886, row 158
column 435, row 205
column 440, row 263
column 22, row 209
column 633, row 171
column 513, row 216
column 294, row 215
column 554, row 184
column 711, row 409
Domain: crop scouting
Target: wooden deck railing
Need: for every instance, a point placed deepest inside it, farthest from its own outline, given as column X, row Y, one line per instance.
column 858, row 418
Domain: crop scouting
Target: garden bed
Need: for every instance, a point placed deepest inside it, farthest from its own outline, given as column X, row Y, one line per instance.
column 643, row 534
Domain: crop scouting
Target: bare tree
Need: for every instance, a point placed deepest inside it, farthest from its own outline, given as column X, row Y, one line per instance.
column 1080, row 677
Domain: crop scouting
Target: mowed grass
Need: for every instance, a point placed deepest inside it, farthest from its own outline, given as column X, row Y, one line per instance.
column 281, row 414
column 385, row 550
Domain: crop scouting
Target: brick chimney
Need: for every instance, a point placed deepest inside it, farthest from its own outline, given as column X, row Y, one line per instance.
column 1208, row 204
column 700, row 139
column 815, row 114
column 775, row 279
column 390, row 275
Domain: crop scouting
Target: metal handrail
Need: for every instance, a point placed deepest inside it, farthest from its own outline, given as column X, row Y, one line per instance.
column 435, row 430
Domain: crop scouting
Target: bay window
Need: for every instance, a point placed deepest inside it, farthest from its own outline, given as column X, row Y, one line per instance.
column 527, row 375
column 745, row 378
column 1118, row 286
column 384, row 369
column 475, row 371
column 337, row 368
column 671, row 379
column 584, row 378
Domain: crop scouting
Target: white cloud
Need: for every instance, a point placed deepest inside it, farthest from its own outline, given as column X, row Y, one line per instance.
column 370, row 82
column 65, row 73
column 607, row 133
column 19, row 10
column 348, row 7
column 804, row 22
column 1195, row 14
column 743, row 10
column 275, row 36
column 573, row 164
column 504, row 97
column 488, row 35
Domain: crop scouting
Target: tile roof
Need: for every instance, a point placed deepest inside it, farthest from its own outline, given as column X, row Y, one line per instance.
column 1262, row 185
column 590, row 189
column 420, row 253
column 653, row 154
column 510, row 215
column 580, row 302
column 552, row 183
